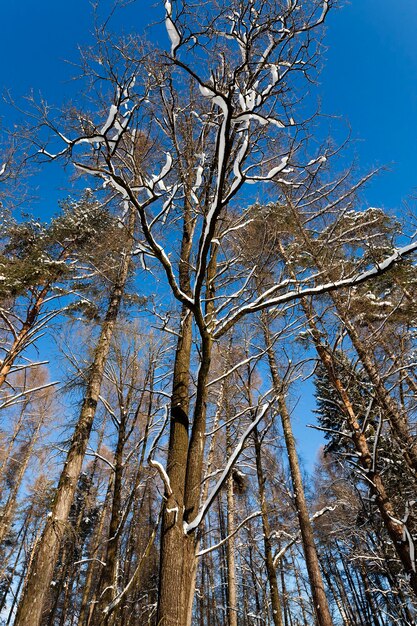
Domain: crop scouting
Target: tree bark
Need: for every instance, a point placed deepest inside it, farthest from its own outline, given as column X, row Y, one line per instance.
column 269, row 560
column 321, row 606
column 230, row 545
column 173, row 579
column 39, row 577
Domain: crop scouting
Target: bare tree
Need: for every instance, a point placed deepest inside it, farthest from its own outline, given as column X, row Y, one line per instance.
column 220, row 116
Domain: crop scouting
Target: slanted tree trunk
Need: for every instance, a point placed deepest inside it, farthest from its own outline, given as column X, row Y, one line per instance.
column 41, row 570
column 394, row 528
column 6, row 516
column 397, row 419
column 320, row 602
column 24, row 336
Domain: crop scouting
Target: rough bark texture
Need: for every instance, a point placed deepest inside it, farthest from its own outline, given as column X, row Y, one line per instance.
column 41, row 570
column 174, row 575
column 185, row 461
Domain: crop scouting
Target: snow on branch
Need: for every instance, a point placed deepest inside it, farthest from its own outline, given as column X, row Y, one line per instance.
column 262, row 302
column 188, row 528
column 158, row 466
column 295, row 538
column 164, row 476
column 236, row 530
column 18, row 398
column 172, row 30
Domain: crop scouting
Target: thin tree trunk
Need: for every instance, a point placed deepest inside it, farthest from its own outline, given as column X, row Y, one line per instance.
column 107, row 588
column 86, row 607
column 6, row 517
column 395, row 416
column 8, row 586
column 269, row 560
column 339, row 598
column 374, row 480
column 23, row 337
column 395, row 529
column 8, row 451
column 321, row 606
column 230, row 545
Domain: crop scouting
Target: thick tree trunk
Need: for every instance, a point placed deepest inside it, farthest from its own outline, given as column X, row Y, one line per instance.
column 174, row 575
column 43, row 563
column 184, row 466
column 172, row 596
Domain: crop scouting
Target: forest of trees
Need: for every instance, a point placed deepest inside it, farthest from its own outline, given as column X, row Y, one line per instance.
column 213, row 264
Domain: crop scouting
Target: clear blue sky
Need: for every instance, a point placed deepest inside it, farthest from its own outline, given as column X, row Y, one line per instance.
column 369, row 79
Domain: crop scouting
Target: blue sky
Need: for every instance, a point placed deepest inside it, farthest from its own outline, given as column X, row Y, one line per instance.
column 369, row 77
column 369, row 80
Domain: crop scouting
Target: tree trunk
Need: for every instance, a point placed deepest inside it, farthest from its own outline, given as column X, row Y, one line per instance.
column 41, row 571
column 107, row 587
column 374, row 480
column 395, row 528
column 173, row 578
column 269, row 560
column 6, row 517
column 321, row 606
column 396, row 417
column 230, row 545
column 24, row 336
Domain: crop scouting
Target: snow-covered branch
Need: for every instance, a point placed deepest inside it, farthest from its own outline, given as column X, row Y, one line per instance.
column 226, row 539
column 262, row 302
column 278, row 556
column 190, row 527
